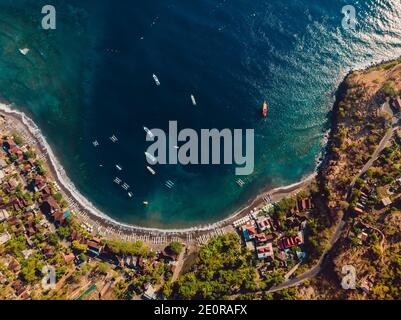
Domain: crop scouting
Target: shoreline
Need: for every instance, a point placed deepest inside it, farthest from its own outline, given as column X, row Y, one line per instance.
column 106, row 225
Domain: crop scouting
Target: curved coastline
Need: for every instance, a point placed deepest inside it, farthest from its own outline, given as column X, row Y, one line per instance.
column 89, row 209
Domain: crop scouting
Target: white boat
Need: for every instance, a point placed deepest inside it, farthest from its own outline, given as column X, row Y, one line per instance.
column 24, row 51
column 193, row 100
column 118, row 167
column 240, row 182
column 148, row 132
column 151, row 170
column 150, row 157
column 169, row 184
column 156, row 80
column 130, row 194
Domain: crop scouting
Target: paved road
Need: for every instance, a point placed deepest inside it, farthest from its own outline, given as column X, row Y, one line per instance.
column 314, row 271
column 376, row 154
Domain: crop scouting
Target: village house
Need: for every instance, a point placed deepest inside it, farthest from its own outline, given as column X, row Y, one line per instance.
column 95, row 246
column 265, row 252
column 249, row 231
column 10, row 186
column 261, row 238
column 358, row 211
column 48, row 252
column 68, row 257
column 3, row 164
column 4, row 238
column 49, row 206
column 8, row 144
column 26, row 253
column 16, row 153
column 19, row 287
column 363, row 237
column 250, row 245
column 3, row 279
column 386, row 201
column 289, row 242
column 37, row 184
column 59, row 218
column 14, row 266
column 131, row 262
column 150, row 293
column 264, row 223
column 304, row 204
column 4, row 215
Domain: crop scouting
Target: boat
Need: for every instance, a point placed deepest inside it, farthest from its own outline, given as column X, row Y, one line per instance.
column 150, row 157
column 156, row 80
column 240, row 182
column 130, row 194
column 145, row 203
column 24, row 51
column 148, row 132
column 169, row 184
column 264, row 110
column 193, row 100
column 118, row 167
column 151, row 170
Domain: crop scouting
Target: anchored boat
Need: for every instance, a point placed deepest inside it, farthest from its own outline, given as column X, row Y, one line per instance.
column 148, row 132
column 264, row 110
column 150, row 157
column 193, row 100
column 156, row 80
column 151, row 170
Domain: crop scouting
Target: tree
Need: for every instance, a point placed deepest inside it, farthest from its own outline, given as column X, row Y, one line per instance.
column 223, row 267
column 175, row 247
column 103, row 267
column 80, row 247
column 167, row 289
column 128, row 248
column 18, row 140
column 53, row 239
column 30, row 269
column 58, row 197
column 63, row 232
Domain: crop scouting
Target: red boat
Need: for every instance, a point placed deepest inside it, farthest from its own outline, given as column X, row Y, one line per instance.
column 264, row 111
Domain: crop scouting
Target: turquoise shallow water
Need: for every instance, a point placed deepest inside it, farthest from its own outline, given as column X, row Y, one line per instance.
column 92, row 77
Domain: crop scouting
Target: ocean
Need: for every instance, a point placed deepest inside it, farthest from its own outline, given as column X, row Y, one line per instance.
column 91, row 78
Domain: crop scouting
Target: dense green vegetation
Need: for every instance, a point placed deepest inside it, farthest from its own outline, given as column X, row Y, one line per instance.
column 389, row 280
column 175, row 247
column 128, row 248
column 223, row 267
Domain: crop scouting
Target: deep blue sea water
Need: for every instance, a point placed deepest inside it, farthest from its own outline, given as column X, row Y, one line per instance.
column 92, row 78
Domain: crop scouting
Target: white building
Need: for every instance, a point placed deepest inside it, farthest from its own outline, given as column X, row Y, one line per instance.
column 4, row 237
